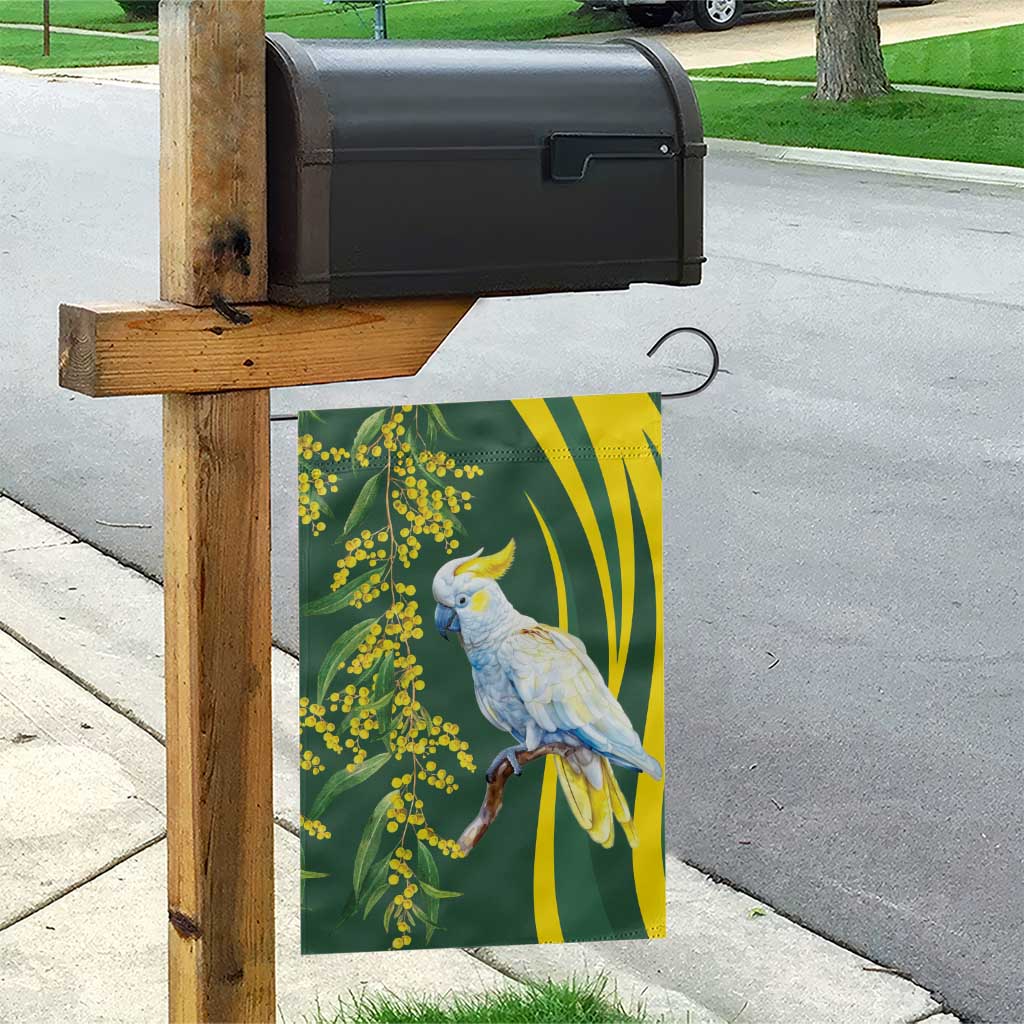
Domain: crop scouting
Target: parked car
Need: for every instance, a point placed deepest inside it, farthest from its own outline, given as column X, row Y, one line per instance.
column 711, row 15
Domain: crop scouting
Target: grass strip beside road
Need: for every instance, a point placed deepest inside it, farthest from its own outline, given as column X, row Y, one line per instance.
column 903, row 124
column 506, row 20
column 24, row 47
column 577, row 1003
column 991, row 58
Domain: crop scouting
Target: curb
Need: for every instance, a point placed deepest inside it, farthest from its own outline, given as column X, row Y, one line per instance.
column 100, row 624
column 884, row 163
column 932, row 90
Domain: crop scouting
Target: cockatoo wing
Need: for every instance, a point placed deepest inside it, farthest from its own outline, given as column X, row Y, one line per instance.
column 563, row 692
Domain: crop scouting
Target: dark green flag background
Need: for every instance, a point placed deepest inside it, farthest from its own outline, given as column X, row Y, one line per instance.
column 518, row 885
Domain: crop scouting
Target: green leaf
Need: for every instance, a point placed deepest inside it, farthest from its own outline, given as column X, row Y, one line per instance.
column 369, row 429
column 429, row 922
column 351, row 906
column 459, row 528
column 339, row 651
column 343, row 779
column 437, row 417
column 375, row 887
column 388, row 915
column 325, row 508
column 374, row 898
column 426, row 871
column 314, row 874
column 305, row 416
column 337, row 599
column 363, row 504
column 384, row 670
column 370, row 842
column 438, row 894
column 385, row 686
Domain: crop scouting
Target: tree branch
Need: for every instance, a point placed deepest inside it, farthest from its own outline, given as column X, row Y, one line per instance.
column 494, row 795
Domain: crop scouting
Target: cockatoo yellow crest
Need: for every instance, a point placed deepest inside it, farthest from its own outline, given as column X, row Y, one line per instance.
column 491, row 567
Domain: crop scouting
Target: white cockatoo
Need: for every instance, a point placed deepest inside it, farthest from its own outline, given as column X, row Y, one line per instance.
column 538, row 683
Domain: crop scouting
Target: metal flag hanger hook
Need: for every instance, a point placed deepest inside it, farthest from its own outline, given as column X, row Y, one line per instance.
column 708, row 340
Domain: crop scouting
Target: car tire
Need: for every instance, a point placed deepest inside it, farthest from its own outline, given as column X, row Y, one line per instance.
column 717, row 15
column 649, row 15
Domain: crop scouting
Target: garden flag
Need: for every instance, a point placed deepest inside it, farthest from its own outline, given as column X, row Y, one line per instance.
column 482, row 712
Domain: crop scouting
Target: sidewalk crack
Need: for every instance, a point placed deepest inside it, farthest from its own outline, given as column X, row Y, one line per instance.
column 31, row 911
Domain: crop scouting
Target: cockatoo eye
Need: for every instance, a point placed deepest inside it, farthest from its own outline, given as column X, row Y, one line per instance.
column 462, row 601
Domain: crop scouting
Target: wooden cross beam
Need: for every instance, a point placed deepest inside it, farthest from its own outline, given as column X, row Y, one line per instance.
column 215, row 375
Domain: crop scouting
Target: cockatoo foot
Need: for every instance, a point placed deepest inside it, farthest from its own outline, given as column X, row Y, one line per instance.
column 508, row 754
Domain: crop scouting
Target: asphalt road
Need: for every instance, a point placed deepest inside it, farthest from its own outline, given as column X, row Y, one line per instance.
column 846, row 499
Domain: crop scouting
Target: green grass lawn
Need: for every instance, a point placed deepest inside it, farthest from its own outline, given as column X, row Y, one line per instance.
column 105, row 15
column 444, row 19
column 904, row 124
column 457, row 19
column 992, row 58
column 587, row 1003
column 24, row 47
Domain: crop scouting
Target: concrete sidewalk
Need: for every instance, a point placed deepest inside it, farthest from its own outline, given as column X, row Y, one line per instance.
column 82, row 856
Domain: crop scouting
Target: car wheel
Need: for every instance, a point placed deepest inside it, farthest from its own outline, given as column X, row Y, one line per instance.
column 717, row 15
column 649, row 15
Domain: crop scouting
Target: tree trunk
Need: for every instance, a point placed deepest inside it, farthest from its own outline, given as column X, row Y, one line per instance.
column 848, row 50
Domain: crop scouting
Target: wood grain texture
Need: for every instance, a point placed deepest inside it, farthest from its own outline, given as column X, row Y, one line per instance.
column 219, row 755
column 213, row 217
column 110, row 350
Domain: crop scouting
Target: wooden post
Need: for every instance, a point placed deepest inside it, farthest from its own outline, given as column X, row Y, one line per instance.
column 216, row 527
column 46, row 28
column 215, row 367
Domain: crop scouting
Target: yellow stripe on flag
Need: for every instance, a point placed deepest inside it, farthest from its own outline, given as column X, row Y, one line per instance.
column 537, row 417
column 648, row 857
column 545, row 899
column 596, row 411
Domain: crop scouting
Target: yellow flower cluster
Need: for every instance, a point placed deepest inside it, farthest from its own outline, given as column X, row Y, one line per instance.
column 401, row 875
column 448, row 847
column 363, row 548
column 317, row 829
column 437, row 777
column 427, row 509
column 405, row 806
column 425, row 505
column 314, row 483
column 370, row 651
column 391, row 432
column 312, row 716
column 310, row 449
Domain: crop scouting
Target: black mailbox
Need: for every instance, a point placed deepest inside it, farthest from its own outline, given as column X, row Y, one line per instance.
column 479, row 168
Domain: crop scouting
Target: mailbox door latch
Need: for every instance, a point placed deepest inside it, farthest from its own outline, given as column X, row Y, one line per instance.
column 570, row 154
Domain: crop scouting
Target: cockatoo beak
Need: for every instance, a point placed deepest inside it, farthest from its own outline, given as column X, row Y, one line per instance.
column 446, row 619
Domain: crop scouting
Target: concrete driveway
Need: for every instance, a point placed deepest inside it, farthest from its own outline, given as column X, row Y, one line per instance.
column 845, row 499
column 779, row 36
